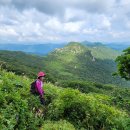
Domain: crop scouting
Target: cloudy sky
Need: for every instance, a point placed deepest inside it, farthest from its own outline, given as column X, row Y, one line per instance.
column 64, row 20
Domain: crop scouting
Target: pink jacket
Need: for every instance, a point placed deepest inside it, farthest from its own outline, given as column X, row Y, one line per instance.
column 39, row 85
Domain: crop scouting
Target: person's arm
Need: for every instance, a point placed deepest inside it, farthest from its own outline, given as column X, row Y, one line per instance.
column 39, row 88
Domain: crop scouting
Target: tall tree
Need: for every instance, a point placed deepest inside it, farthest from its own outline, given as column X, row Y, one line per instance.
column 123, row 64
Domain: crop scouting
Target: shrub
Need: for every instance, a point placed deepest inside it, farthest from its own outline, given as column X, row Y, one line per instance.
column 57, row 125
column 87, row 112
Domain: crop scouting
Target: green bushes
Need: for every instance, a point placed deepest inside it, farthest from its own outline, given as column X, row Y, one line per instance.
column 86, row 111
column 57, row 125
column 87, row 87
column 66, row 108
column 108, row 93
column 16, row 104
column 82, row 86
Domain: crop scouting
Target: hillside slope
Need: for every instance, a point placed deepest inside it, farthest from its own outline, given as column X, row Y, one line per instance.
column 20, row 62
column 77, row 61
column 65, row 108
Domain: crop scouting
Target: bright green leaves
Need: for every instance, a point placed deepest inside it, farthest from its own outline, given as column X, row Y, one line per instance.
column 65, row 108
column 123, row 64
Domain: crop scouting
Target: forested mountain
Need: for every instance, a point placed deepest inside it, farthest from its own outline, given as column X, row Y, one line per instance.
column 83, row 62
column 20, row 62
column 75, row 61
column 119, row 46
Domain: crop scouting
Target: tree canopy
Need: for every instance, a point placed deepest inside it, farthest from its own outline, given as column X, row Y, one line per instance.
column 123, row 64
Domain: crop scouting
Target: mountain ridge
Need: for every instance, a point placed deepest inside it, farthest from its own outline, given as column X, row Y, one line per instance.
column 92, row 64
column 72, row 62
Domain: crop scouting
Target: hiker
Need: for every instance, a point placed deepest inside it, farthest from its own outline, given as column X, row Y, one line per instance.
column 37, row 87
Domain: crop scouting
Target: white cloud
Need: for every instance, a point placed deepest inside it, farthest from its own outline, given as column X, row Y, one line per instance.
column 106, row 23
column 4, row 31
column 53, row 24
column 73, row 27
column 90, row 31
column 44, row 20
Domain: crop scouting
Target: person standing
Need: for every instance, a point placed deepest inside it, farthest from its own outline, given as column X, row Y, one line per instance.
column 37, row 87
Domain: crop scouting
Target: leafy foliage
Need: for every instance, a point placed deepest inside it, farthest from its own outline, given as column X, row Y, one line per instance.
column 123, row 66
column 85, row 111
column 57, row 125
column 17, row 111
column 65, row 108
column 112, row 95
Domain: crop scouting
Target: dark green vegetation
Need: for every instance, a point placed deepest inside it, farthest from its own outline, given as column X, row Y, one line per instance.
column 21, row 63
column 120, row 96
column 89, row 62
column 103, row 107
column 124, row 64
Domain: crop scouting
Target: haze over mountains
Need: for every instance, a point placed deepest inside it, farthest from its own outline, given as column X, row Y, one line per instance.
column 44, row 49
column 40, row 49
column 119, row 46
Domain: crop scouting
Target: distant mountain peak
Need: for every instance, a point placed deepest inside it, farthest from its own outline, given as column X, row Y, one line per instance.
column 72, row 47
column 92, row 44
column 74, row 44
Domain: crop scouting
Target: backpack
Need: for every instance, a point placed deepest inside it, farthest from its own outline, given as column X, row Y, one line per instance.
column 33, row 88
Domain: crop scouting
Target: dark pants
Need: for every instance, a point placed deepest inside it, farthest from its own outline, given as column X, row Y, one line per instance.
column 42, row 100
